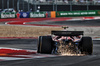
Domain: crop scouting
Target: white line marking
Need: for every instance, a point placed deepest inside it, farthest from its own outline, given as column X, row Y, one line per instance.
column 10, row 58
column 18, row 57
column 18, row 49
column 6, row 23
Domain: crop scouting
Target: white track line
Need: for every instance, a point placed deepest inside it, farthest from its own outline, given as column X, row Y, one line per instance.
column 17, row 49
column 20, row 57
column 10, row 58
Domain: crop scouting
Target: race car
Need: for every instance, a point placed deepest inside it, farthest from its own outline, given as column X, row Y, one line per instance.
column 65, row 42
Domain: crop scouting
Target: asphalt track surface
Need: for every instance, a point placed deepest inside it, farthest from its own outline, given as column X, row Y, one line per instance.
column 31, row 44
column 88, row 60
column 87, row 23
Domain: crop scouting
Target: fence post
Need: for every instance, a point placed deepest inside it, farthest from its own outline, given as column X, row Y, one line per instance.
column 70, row 5
column 13, row 4
column 53, row 5
column 28, row 5
column 17, row 5
column 23, row 5
column 87, row 5
column 2, row 4
column 34, row 5
column 56, row 5
column 7, row 3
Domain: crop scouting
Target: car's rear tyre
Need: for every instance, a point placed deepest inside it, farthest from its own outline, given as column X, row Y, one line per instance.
column 44, row 44
column 38, row 45
column 87, row 45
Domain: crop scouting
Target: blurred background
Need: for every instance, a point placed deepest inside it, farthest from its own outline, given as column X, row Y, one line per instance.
column 50, row 5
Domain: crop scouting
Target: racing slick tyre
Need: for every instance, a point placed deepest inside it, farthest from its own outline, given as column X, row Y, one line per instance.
column 87, row 45
column 44, row 44
column 39, row 38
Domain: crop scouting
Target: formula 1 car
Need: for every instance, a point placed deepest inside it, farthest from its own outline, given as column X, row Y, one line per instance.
column 64, row 42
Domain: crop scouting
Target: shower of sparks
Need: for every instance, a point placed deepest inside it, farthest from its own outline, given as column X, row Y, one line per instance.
column 64, row 50
column 69, row 54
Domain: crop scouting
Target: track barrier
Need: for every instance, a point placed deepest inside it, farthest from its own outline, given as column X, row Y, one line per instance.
column 53, row 14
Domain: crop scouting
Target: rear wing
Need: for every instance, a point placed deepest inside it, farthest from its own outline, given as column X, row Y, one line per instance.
column 67, row 33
